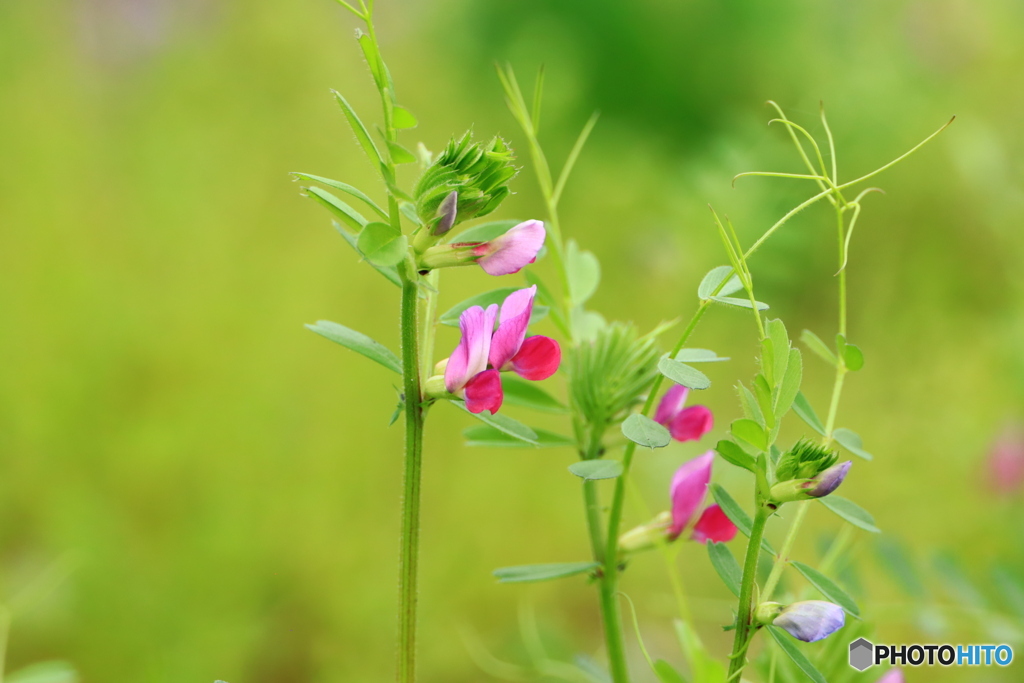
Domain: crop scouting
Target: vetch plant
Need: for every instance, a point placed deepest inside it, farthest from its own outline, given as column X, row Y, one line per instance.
column 614, row 375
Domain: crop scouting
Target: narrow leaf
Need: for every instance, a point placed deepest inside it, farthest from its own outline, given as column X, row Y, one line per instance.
column 666, row 674
column 590, row 470
column 543, row 572
column 739, row 303
column 340, row 209
column 802, row 407
column 780, row 353
column 402, row 118
column 699, row 356
column 489, row 437
column 732, row 453
column 751, row 432
column 519, row 392
column 399, row 154
column 346, row 188
column 583, row 271
column 362, row 136
column 828, row 588
column 851, row 512
column 503, row 423
column 751, row 409
column 715, row 277
column 644, row 431
column 814, row 343
column 735, row 513
column 787, row 645
column 790, row 385
column 853, row 357
column 851, row 441
column 681, row 373
column 387, row 271
column 725, row 564
column 382, row 244
column 358, row 342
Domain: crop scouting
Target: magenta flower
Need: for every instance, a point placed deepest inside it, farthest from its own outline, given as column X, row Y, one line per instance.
column 473, row 371
column 688, row 490
column 504, row 255
column 684, row 424
column 892, row 676
column 510, row 252
column 1006, row 461
column 811, row 620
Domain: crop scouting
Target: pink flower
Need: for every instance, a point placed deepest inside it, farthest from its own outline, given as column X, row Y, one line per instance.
column 1006, row 461
column 684, row 424
column 688, row 490
column 473, row 371
column 892, row 676
column 508, row 253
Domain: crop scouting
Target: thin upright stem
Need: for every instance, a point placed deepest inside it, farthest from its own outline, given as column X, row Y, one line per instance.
column 744, row 618
column 787, row 547
column 410, row 534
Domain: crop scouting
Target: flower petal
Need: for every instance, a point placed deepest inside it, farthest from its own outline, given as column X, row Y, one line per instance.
column 691, row 423
column 811, row 620
column 892, row 676
column 515, row 317
column 483, row 392
column 829, row 480
column 470, row 356
column 713, row 525
column 508, row 253
column 670, row 405
column 538, row 358
column 689, row 486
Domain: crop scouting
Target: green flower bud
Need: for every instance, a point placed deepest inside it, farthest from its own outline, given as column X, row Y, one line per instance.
column 804, row 461
column 766, row 612
column 645, row 536
column 479, row 176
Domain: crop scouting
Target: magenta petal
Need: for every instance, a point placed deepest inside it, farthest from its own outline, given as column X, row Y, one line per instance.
column 514, row 319
column 713, row 525
column 691, row 423
column 689, row 486
column 538, row 358
column 483, row 392
column 670, row 405
column 892, row 676
column 518, row 247
column 470, row 356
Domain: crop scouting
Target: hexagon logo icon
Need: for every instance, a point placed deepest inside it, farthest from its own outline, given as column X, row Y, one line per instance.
column 862, row 654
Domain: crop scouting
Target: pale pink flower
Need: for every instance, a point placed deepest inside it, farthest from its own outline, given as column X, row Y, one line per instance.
column 1006, row 461
column 510, row 252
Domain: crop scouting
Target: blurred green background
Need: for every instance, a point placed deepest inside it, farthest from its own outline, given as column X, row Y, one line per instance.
column 220, row 486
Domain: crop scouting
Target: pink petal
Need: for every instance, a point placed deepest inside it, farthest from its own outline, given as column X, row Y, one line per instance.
column 508, row 253
column 538, row 358
column 670, row 405
column 483, row 392
column 691, row 423
column 515, row 317
column 892, row 676
column 470, row 356
column 689, row 486
column 713, row 525
column 1006, row 461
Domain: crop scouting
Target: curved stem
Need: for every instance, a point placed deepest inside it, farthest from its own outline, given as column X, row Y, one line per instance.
column 410, row 535
column 744, row 625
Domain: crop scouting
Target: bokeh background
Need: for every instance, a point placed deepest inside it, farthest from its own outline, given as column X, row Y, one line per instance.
column 192, row 486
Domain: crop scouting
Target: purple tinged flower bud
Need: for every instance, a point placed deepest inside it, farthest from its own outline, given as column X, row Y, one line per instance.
column 811, row 620
column 829, row 480
column 815, row 487
column 446, row 214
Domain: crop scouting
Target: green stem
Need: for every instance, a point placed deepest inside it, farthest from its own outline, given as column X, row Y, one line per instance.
column 744, row 619
column 5, row 631
column 429, row 323
column 787, row 546
column 410, row 535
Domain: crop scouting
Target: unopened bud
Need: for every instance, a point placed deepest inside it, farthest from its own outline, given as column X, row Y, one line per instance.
column 646, row 536
column 766, row 612
column 815, row 487
column 811, row 620
column 446, row 213
column 434, row 387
